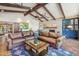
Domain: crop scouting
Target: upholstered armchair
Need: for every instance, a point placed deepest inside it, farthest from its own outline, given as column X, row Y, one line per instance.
column 15, row 39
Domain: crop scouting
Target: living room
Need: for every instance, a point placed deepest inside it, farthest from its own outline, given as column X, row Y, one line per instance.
column 37, row 29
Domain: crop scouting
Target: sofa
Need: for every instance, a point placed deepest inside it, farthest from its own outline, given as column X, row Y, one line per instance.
column 54, row 39
column 18, row 38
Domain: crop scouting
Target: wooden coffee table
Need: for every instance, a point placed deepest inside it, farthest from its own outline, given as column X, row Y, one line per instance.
column 41, row 48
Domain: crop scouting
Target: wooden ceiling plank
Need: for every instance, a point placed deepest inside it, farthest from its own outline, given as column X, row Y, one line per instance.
column 36, row 17
column 49, row 12
column 41, row 15
column 60, row 6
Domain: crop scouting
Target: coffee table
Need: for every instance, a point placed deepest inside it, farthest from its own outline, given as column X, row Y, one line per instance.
column 41, row 48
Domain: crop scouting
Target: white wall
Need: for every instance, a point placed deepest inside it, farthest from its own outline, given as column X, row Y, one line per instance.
column 34, row 24
column 12, row 17
column 58, row 23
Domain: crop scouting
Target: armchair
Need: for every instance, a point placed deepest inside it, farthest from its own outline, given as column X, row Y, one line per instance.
column 15, row 39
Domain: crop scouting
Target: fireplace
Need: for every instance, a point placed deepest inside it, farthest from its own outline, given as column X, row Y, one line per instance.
column 51, row 30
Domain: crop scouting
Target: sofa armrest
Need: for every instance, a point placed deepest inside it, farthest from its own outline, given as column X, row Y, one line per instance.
column 60, row 38
column 9, row 43
column 60, row 41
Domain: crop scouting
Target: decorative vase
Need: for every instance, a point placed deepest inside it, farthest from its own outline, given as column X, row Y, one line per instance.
column 36, row 34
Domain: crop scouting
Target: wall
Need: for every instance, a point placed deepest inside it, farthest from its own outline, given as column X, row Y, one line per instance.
column 34, row 24
column 13, row 17
column 57, row 22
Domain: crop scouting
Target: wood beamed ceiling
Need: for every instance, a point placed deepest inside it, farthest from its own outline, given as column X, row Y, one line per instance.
column 33, row 9
column 39, row 5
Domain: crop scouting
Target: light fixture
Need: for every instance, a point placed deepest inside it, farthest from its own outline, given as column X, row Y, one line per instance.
column 28, row 21
column 19, row 20
column 69, row 27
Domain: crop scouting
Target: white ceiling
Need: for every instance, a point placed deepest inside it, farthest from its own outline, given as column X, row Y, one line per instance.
column 70, row 9
column 29, row 4
column 54, row 9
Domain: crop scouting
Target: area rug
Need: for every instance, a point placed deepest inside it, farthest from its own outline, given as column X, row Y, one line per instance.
column 21, row 51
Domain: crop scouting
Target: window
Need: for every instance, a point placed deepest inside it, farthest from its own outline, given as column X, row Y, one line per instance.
column 71, row 24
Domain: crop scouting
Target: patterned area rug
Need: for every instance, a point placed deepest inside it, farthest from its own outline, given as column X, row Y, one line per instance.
column 21, row 51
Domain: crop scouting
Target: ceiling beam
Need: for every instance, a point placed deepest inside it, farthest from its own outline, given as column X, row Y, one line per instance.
column 35, row 8
column 13, row 11
column 41, row 15
column 60, row 6
column 32, row 15
column 49, row 12
column 14, row 5
column 73, row 18
column 36, row 17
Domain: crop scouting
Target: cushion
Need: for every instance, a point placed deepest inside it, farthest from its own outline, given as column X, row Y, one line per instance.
column 18, row 41
column 47, row 39
column 15, row 35
column 31, row 37
column 53, row 35
column 26, row 33
column 31, row 33
column 44, row 34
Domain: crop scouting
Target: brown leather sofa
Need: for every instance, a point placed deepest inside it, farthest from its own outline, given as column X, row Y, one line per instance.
column 52, row 38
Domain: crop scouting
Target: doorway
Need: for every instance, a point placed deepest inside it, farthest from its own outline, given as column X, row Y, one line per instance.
column 70, row 28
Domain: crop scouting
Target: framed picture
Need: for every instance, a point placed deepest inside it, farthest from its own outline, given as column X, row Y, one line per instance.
column 24, row 26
